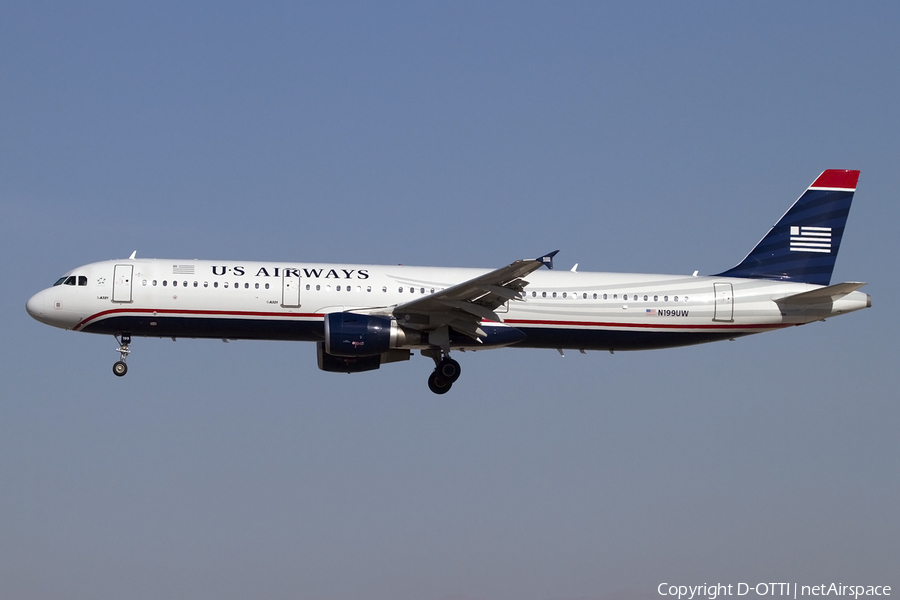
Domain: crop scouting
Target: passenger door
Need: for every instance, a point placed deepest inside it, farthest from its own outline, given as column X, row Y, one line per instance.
column 122, row 283
column 724, row 302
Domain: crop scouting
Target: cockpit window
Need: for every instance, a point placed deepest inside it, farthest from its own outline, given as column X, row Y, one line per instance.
column 59, row 281
column 70, row 280
column 82, row 280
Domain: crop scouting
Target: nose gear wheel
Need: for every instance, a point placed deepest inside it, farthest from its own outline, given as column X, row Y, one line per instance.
column 120, row 368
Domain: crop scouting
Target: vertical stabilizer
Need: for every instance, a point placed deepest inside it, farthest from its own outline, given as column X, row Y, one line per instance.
column 804, row 244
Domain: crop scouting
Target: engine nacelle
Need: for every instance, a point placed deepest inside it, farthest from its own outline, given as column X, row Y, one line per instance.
column 350, row 334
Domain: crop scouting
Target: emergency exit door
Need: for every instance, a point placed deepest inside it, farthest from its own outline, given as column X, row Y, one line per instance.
column 290, row 290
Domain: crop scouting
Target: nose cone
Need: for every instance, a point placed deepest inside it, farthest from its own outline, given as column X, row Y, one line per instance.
column 36, row 306
column 47, row 306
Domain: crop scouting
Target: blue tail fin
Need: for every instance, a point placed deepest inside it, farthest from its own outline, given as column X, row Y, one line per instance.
column 804, row 244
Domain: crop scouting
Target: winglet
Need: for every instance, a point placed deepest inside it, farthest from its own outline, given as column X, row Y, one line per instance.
column 547, row 259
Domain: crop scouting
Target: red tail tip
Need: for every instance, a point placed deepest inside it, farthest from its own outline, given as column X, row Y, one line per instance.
column 837, row 178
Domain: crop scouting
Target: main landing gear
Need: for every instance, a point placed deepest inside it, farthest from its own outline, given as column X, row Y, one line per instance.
column 446, row 371
column 120, row 368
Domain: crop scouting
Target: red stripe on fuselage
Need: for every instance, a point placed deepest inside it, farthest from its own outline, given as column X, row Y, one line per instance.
column 646, row 325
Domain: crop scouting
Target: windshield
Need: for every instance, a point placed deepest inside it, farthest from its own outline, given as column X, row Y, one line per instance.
column 71, row 280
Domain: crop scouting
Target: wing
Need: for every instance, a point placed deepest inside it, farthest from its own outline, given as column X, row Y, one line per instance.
column 463, row 306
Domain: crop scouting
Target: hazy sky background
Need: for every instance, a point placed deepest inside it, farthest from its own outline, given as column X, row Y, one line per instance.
column 650, row 137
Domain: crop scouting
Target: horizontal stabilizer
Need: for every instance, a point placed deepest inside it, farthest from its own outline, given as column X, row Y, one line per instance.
column 823, row 295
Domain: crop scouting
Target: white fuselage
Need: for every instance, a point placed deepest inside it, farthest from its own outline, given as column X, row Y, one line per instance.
column 288, row 301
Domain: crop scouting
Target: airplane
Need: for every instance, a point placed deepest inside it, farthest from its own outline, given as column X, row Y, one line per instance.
column 362, row 316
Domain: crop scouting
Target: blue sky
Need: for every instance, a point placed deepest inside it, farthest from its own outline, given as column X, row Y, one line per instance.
column 642, row 137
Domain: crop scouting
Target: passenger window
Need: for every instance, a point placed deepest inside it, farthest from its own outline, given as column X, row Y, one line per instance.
column 256, row 286
column 564, row 294
column 165, row 283
column 675, row 299
column 215, row 284
column 656, row 298
column 267, row 286
column 318, row 287
column 205, row 284
column 685, row 298
column 184, row 283
column 401, row 290
column 368, row 288
column 645, row 297
column 338, row 288
column 665, row 298
column 196, row 284
column 144, row 283
column 224, row 285
column 384, row 289
column 247, row 286
column 422, row 291
column 543, row 294
column 605, row 297
column 154, row 283
column 307, row 287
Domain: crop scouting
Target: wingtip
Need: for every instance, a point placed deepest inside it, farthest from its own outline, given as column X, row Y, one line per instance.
column 547, row 259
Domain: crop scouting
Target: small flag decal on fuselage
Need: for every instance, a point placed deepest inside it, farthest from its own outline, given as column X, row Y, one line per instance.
column 811, row 239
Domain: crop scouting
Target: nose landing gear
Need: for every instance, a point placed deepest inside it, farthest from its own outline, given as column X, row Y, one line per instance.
column 120, row 368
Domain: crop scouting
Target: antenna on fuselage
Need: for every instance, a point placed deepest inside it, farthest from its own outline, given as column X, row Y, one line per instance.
column 133, row 254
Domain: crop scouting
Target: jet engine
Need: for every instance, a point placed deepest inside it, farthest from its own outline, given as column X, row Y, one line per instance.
column 355, row 342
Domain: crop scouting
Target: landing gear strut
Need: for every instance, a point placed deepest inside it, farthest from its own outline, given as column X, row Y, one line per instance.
column 120, row 368
column 446, row 371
